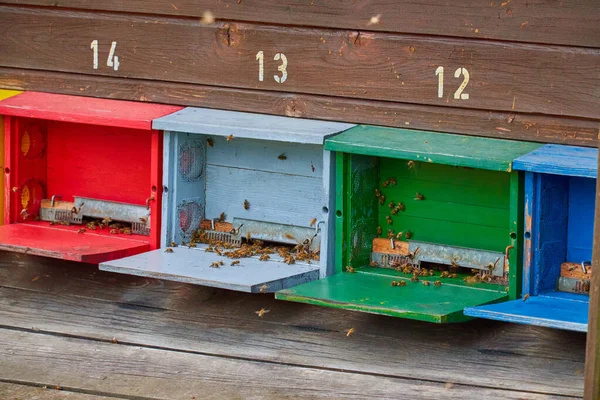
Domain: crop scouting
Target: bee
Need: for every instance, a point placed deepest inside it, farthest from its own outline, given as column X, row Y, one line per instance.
column 412, row 254
column 168, row 250
column 246, row 205
column 394, row 283
column 107, row 220
column 377, row 193
column 350, row 332
column 379, row 231
column 424, row 272
column 52, row 223
column 390, row 234
column 183, row 243
column 400, row 206
column 144, row 219
column 24, row 213
column 125, row 231
column 401, row 283
column 437, row 283
column 389, row 219
column 236, row 262
column 419, row 196
column 191, row 245
column 282, row 157
column 207, row 250
column 81, row 230
column 374, row 264
column 410, row 164
column 15, row 189
column 101, row 226
column 454, row 265
column 261, row 312
column 525, row 297
column 219, row 252
column 210, row 142
column 350, row 269
column 229, row 138
column 414, row 278
column 444, row 274
column 114, row 232
column 395, row 211
column 173, row 244
column 74, row 210
column 453, row 276
column 215, row 265
column 407, row 269
column 263, row 288
column 392, row 205
column 426, row 283
column 264, row 257
column 289, row 260
column 221, row 263
column 392, row 181
column 312, row 166
column 506, row 289
column 408, row 234
column 385, row 183
column 382, row 199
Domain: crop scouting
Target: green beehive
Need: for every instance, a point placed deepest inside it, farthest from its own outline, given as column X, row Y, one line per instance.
column 411, row 204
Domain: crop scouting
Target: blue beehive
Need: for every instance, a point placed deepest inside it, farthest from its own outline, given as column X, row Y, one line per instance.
column 269, row 179
column 560, row 193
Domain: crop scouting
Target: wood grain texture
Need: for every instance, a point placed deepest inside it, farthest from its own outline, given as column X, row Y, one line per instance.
column 507, row 125
column 592, row 359
column 160, row 374
column 311, row 336
column 560, row 160
column 12, row 391
column 574, row 271
column 568, row 22
column 378, row 66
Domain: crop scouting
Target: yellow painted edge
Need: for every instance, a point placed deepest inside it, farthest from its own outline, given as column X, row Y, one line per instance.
column 5, row 93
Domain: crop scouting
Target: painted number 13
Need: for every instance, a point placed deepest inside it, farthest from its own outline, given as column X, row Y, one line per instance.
column 458, row 95
column 260, row 57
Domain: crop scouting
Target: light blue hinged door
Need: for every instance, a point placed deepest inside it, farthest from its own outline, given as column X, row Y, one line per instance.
column 268, row 177
column 560, row 193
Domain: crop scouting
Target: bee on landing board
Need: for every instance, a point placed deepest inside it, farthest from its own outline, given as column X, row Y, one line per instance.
column 246, row 205
column 210, row 142
column 350, row 269
column 81, row 230
column 236, row 262
column 229, row 138
column 525, row 297
column 282, row 157
column 419, row 196
column 168, row 250
column 350, row 332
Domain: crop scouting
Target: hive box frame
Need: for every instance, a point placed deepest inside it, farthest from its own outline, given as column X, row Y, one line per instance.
column 362, row 154
column 104, row 149
column 214, row 161
column 4, row 94
column 560, row 193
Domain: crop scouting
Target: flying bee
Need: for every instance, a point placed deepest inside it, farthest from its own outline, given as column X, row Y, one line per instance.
column 168, row 250
column 81, row 230
column 313, row 222
column 282, row 157
column 264, row 257
column 401, row 283
column 437, row 283
column 263, row 288
column 374, row 264
column 246, row 205
column 408, row 234
column 419, row 196
column 350, row 269
column 392, row 181
column 261, row 312
column 229, row 138
column 382, row 199
column 210, row 142
column 389, row 219
column 377, row 193
column 379, row 231
column 350, row 332
column 426, row 283
column 236, row 262
column 222, row 217
column 410, row 164
column 385, row 183
column 215, row 265
column 525, row 297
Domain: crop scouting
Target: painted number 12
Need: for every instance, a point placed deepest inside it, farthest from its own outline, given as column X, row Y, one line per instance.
column 459, row 94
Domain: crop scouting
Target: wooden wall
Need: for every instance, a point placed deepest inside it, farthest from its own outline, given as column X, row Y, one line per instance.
column 533, row 66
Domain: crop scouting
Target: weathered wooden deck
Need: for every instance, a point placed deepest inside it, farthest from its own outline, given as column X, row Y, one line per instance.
column 98, row 335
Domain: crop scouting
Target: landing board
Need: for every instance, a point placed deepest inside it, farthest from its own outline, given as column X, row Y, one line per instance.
column 194, row 266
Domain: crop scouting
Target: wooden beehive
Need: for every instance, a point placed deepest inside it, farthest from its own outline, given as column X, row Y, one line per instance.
column 460, row 213
column 4, row 94
column 268, row 177
column 72, row 158
column 560, row 193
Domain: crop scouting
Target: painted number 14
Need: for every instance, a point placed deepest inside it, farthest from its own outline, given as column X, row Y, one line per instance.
column 112, row 61
column 458, row 95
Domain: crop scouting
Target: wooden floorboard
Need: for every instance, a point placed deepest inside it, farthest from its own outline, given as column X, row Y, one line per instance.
column 130, row 371
column 12, row 391
column 49, row 298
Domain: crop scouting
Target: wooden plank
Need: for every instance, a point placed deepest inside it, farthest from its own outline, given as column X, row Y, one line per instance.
column 14, row 391
column 430, row 147
column 264, row 155
column 85, row 110
column 53, row 242
column 273, row 197
column 296, row 334
column 592, row 359
column 382, row 245
column 195, row 266
column 4, row 94
column 507, row 125
column 145, row 372
column 379, row 66
column 568, row 22
column 574, row 271
column 249, row 126
column 560, row 160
